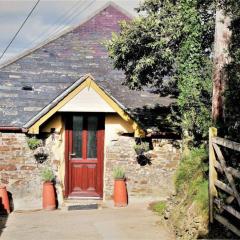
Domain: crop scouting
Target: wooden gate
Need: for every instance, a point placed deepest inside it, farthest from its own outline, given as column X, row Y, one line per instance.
column 224, row 183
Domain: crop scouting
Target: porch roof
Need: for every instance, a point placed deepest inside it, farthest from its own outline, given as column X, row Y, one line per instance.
column 84, row 82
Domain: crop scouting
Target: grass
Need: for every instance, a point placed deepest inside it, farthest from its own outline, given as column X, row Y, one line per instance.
column 159, row 207
column 188, row 210
column 191, row 178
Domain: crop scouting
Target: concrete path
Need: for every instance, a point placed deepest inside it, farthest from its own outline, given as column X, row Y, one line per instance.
column 132, row 222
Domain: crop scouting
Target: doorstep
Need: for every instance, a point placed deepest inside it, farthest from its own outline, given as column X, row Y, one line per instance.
column 81, row 204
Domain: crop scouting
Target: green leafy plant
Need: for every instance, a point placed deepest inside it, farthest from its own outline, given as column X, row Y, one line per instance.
column 118, row 173
column 34, row 143
column 192, row 194
column 159, row 207
column 47, row 175
column 141, row 148
column 191, row 178
column 169, row 47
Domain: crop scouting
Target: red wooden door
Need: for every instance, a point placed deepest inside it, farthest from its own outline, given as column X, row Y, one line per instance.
column 84, row 155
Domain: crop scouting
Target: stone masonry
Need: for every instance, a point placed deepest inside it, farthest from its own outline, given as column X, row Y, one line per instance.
column 152, row 181
column 20, row 171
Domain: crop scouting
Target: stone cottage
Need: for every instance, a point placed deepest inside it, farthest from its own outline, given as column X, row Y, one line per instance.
column 67, row 94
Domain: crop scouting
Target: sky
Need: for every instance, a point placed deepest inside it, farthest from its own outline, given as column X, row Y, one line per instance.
column 48, row 19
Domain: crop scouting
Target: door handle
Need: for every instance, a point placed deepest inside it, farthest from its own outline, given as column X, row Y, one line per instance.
column 72, row 154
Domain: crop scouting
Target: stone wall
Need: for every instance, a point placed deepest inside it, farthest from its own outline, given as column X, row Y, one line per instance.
column 152, row 181
column 20, row 171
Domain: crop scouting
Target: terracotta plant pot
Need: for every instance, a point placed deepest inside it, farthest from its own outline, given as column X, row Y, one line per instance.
column 4, row 200
column 120, row 193
column 49, row 198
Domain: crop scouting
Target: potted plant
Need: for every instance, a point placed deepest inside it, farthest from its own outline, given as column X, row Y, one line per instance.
column 120, row 190
column 48, row 198
column 4, row 201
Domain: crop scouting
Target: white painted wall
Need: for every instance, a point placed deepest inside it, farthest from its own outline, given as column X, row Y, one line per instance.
column 88, row 100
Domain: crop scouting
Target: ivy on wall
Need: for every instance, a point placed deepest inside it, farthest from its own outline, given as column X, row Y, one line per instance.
column 195, row 67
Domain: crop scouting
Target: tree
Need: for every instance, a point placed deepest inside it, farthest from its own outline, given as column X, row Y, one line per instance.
column 230, row 80
column 168, row 48
column 221, row 58
column 146, row 48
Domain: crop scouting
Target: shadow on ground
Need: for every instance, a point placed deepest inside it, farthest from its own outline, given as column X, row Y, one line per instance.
column 3, row 217
column 218, row 231
column 3, row 220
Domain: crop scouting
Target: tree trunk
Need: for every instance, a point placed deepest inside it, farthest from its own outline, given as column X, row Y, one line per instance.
column 221, row 42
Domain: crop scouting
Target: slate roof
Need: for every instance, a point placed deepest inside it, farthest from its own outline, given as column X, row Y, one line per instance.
column 53, row 67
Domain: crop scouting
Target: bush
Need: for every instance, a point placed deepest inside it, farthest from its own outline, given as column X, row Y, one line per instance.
column 47, row 175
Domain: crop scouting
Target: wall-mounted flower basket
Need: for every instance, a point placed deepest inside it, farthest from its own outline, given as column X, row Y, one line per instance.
column 34, row 143
column 39, row 151
column 40, row 154
column 141, row 148
column 142, row 157
column 144, row 160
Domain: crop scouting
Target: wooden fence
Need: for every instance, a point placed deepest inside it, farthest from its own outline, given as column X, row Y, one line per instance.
column 226, row 209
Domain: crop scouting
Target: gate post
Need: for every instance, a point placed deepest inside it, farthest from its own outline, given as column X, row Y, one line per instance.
column 212, row 172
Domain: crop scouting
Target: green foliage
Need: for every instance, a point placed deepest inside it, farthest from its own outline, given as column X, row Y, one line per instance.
column 231, row 7
column 146, row 48
column 168, row 47
column 194, row 71
column 118, row 173
column 191, row 178
column 34, row 143
column 47, row 175
column 142, row 147
column 199, row 191
column 159, row 207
